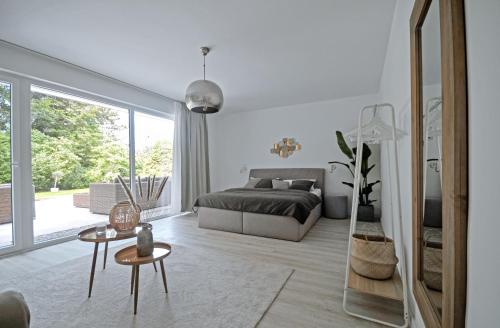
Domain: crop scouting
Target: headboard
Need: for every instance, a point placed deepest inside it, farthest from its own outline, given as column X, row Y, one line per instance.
column 292, row 173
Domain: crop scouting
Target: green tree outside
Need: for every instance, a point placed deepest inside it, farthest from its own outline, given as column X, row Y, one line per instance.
column 5, row 104
column 79, row 140
column 155, row 160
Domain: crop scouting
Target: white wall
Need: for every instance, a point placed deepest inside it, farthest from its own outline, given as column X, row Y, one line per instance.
column 433, row 180
column 395, row 89
column 245, row 139
column 483, row 61
column 27, row 63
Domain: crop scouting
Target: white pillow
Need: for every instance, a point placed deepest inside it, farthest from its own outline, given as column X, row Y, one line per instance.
column 316, row 191
column 280, row 184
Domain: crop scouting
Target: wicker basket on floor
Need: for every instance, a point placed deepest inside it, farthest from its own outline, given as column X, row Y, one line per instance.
column 433, row 265
column 373, row 257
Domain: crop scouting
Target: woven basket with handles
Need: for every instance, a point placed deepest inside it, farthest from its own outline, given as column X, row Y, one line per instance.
column 373, row 257
column 433, row 265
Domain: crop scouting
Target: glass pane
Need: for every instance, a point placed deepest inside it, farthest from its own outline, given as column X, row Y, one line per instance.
column 79, row 147
column 153, row 157
column 5, row 166
column 432, row 159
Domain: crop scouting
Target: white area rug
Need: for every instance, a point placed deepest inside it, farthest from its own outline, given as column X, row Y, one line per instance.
column 205, row 290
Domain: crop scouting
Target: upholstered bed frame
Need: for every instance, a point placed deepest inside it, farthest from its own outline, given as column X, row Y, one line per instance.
column 265, row 225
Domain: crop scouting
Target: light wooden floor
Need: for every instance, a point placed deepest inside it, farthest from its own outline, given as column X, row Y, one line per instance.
column 312, row 297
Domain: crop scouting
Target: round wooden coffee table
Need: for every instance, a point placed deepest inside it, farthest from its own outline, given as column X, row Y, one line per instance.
column 128, row 256
column 91, row 235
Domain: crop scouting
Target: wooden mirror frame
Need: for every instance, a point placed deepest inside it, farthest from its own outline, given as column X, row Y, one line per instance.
column 454, row 163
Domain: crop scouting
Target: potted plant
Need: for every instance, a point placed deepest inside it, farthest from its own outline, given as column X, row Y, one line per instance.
column 365, row 206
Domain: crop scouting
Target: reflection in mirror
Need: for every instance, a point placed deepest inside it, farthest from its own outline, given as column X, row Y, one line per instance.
column 432, row 146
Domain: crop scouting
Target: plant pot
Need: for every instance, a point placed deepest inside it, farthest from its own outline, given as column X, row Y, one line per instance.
column 366, row 213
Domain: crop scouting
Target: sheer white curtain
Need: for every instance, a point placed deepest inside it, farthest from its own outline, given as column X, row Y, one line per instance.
column 177, row 166
column 190, row 167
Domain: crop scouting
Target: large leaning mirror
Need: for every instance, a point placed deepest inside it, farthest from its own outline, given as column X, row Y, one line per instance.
column 439, row 161
column 432, row 135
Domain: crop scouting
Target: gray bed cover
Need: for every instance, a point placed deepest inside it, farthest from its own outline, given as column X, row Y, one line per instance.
column 284, row 202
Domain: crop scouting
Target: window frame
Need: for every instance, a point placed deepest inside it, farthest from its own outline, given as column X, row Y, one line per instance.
column 17, row 166
column 23, row 234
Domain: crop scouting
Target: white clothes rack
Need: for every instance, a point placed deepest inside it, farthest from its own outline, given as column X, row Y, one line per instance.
column 374, row 132
column 433, row 131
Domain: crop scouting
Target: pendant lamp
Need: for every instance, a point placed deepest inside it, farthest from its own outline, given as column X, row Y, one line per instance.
column 204, row 96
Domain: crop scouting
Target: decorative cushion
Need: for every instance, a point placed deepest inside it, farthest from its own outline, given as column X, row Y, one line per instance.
column 264, row 183
column 280, row 184
column 316, row 185
column 302, row 185
column 14, row 311
column 252, row 182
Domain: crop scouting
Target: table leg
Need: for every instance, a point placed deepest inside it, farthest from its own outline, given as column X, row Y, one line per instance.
column 164, row 276
column 132, row 280
column 136, row 288
column 105, row 255
column 154, row 264
column 91, row 282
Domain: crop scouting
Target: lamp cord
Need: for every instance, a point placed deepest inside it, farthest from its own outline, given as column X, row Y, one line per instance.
column 204, row 67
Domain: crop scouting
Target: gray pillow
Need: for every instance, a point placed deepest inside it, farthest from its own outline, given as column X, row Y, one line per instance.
column 280, row 184
column 264, row 183
column 302, row 185
column 252, row 183
column 14, row 310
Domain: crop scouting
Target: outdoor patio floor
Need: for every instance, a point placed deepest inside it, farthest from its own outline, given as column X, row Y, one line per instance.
column 55, row 218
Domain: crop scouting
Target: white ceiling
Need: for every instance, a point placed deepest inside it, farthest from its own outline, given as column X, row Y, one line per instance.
column 266, row 53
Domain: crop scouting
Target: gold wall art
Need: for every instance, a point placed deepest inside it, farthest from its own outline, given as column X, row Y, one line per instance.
column 286, row 147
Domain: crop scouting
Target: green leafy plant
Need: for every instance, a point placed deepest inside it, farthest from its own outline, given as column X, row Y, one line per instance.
column 366, row 187
column 80, row 140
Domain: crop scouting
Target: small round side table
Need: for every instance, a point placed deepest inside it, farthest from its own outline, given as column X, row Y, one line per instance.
column 128, row 256
column 91, row 236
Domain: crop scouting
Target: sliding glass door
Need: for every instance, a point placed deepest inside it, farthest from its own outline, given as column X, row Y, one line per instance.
column 154, row 138
column 79, row 147
column 6, row 212
column 60, row 154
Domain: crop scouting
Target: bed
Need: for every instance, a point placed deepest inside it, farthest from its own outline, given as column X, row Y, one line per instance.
column 300, row 211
